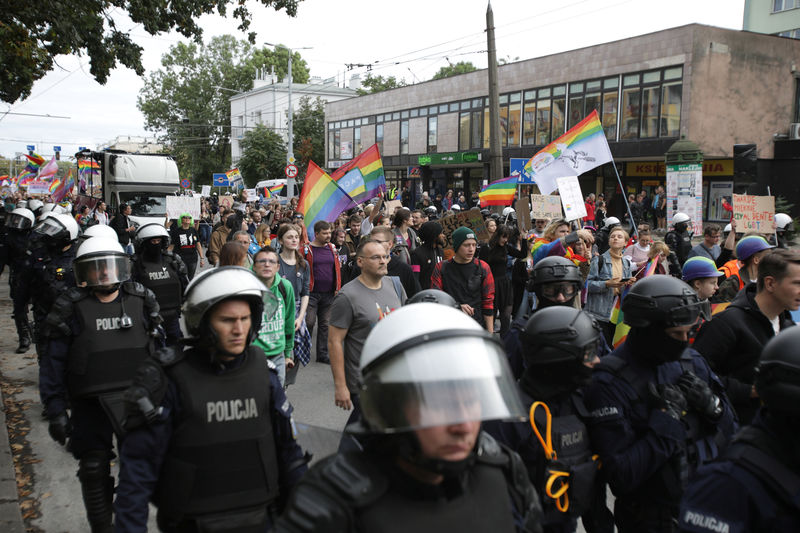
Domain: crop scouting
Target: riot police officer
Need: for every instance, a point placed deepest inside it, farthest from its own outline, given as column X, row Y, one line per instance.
column 753, row 487
column 214, row 448
column 163, row 272
column 560, row 348
column 98, row 334
column 52, row 272
column 14, row 253
column 657, row 411
column 679, row 239
column 431, row 375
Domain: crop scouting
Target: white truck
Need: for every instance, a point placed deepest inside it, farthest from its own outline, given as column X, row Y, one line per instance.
column 117, row 177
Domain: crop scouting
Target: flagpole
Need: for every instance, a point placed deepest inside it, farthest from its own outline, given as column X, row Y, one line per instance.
column 634, row 229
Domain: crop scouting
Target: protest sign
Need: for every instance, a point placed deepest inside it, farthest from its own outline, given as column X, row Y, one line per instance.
column 545, row 206
column 470, row 219
column 523, row 209
column 176, row 205
column 226, row 201
column 252, row 195
column 392, row 206
column 206, row 191
column 571, row 198
column 39, row 187
column 754, row 213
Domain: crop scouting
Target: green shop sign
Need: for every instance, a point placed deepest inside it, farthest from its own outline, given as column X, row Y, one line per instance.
column 454, row 158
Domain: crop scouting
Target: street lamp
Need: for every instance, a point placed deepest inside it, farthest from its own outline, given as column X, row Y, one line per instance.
column 290, row 152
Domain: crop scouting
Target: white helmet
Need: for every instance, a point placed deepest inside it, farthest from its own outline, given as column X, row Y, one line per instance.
column 456, row 207
column 36, row 206
column 21, row 218
column 727, row 228
column 430, row 365
column 100, row 230
column 101, row 262
column 679, row 217
column 507, row 211
column 783, row 222
column 153, row 230
column 224, row 283
column 47, row 208
column 611, row 221
column 58, row 228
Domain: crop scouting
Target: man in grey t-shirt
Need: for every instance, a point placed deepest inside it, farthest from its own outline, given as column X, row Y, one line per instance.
column 358, row 306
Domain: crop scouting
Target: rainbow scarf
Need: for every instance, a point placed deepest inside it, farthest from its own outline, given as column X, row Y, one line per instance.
column 362, row 178
column 321, row 198
column 499, row 192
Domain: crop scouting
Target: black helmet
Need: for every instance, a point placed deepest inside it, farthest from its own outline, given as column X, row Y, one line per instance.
column 778, row 375
column 555, row 268
column 434, row 296
column 560, row 334
column 663, row 301
column 485, row 212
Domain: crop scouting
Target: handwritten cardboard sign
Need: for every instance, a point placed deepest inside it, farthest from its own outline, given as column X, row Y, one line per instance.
column 392, row 206
column 226, row 201
column 470, row 219
column 176, row 205
column 251, row 195
column 206, row 191
column 545, row 206
column 523, row 209
column 754, row 213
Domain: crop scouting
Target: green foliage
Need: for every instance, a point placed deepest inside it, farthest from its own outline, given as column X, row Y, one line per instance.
column 33, row 34
column 462, row 67
column 263, row 155
column 309, row 132
column 187, row 101
column 375, row 84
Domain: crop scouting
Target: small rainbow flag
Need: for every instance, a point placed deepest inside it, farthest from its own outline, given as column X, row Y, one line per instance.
column 499, row 192
column 362, row 178
column 54, row 185
column 88, row 166
column 321, row 198
column 64, row 188
column 269, row 192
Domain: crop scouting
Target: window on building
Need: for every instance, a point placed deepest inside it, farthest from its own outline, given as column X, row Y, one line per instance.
column 337, row 143
column 543, row 118
column 559, row 111
column 356, row 141
column 631, row 104
column 784, row 5
column 464, row 131
column 504, row 125
column 404, row 136
column 433, row 134
column 331, row 153
column 379, row 137
column 610, row 107
column 258, row 117
column 529, row 123
column 650, row 110
column 514, row 119
column 240, row 129
column 487, row 126
column 671, row 109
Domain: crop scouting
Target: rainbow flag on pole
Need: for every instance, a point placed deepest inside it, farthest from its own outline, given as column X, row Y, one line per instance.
column 499, row 192
column 581, row 149
column 54, row 185
column 362, row 178
column 63, row 188
column 321, row 198
column 269, row 192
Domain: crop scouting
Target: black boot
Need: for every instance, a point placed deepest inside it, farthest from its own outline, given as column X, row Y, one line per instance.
column 97, row 486
column 24, row 334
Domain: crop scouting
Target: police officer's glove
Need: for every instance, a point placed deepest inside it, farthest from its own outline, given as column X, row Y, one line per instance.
column 668, row 398
column 60, row 428
column 700, row 396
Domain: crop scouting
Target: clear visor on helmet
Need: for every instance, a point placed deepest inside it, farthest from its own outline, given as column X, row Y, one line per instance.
column 101, row 270
column 18, row 222
column 441, row 383
column 50, row 227
column 689, row 314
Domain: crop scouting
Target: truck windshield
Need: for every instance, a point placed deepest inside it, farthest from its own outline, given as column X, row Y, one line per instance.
column 143, row 204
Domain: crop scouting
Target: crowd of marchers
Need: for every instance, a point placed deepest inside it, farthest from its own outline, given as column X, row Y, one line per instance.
column 497, row 378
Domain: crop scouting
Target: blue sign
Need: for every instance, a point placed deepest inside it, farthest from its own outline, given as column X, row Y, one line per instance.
column 220, row 179
column 517, row 165
column 56, row 148
column 31, row 147
column 81, row 148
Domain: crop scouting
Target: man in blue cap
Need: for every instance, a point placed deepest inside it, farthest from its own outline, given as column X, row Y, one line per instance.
column 741, row 271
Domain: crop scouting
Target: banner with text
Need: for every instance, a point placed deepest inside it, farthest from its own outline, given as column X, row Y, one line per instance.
column 754, row 213
column 470, row 219
column 206, row 190
column 571, row 198
column 176, row 205
column 545, row 206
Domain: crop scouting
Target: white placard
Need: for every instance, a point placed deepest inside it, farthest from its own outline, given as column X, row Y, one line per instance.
column 571, row 198
column 176, row 205
column 252, row 195
column 206, row 191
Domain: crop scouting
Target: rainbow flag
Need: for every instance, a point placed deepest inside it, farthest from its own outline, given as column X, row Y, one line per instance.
column 321, row 198
column 54, row 185
column 362, row 178
column 49, row 170
column 63, row 188
column 88, row 166
column 581, row 149
column 499, row 192
column 36, row 159
column 269, row 192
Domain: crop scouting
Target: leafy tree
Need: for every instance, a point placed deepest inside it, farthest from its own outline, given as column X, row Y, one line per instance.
column 263, row 155
column 309, row 132
column 462, row 67
column 31, row 36
column 376, row 84
column 187, row 101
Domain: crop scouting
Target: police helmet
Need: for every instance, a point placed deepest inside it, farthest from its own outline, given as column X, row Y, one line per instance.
column 728, row 227
column 431, row 210
column 47, row 208
column 680, row 218
column 778, row 375
column 100, row 230
column 101, row 262
column 610, row 222
column 485, row 213
column 508, row 211
column 554, row 268
column 783, row 222
column 225, row 283
column 429, row 365
column 21, row 218
column 153, row 230
column 22, row 204
column 560, row 334
column 36, row 206
column 456, row 207
column 495, row 217
column 58, row 228
column 751, row 245
column 699, row 267
column 664, row 301
column 434, row 296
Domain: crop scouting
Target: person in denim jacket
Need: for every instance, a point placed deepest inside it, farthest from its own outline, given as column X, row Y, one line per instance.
column 609, row 274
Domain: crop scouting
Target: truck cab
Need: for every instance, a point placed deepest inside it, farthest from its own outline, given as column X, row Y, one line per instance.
column 279, row 194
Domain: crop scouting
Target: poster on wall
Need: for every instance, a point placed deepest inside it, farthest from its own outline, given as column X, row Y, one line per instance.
column 717, row 192
column 685, row 193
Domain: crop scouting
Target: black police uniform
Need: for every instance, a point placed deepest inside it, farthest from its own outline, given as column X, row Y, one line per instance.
column 52, row 276
column 166, row 277
column 14, row 253
column 753, row 488
column 679, row 241
column 220, row 455
column 647, row 455
column 367, row 492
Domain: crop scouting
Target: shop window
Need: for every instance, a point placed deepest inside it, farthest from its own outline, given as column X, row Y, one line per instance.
column 631, row 100
column 433, row 135
column 591, row 103
column 463, row 131
column 529, row 123
column 650, row 108
column 559, row 116
column 575, row 110
column 379, row 136
column 671, row 110
column 543, row 121
column 404, row 136
column 609, row 115
column 514, row 123
column 356, row 141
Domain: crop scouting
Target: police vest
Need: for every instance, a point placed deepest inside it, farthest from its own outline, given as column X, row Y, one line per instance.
column 162, row 278
column 106, row 354
column 222, row 455
column 682, row 243
column 465, row 291
column 57, row 277
column 732, row 268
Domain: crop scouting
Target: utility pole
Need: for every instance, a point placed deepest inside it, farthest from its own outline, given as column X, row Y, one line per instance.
column 495, row 150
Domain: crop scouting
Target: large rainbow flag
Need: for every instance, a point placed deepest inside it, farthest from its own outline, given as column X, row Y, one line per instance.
column 30, row 171
column 499, row 192
column 64, row 187
column 362, row 178
column 581, row 149
column 321, row 198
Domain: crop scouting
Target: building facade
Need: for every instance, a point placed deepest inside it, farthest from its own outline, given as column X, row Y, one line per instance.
column 713, row 86
column 773, row 17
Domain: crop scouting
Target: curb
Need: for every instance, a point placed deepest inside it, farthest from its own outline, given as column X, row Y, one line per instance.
column 10, row 515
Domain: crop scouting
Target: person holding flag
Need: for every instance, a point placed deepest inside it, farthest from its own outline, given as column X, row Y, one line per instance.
column 609, row 274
